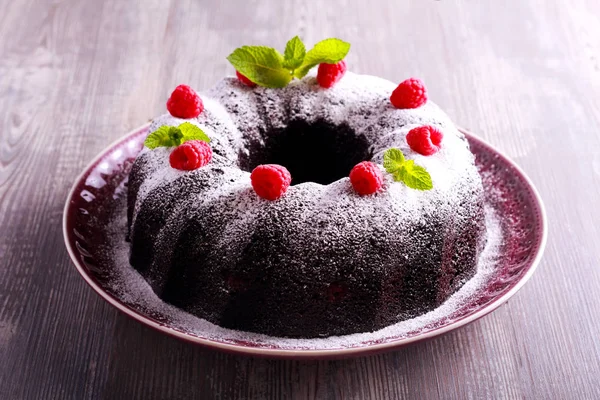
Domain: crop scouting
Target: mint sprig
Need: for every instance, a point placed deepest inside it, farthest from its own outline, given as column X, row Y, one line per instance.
column 330, row 51
column 266, row 67
column 403, row 170
column 171, row 136
column 262, row 65
column 192, row 132
column 294, row 53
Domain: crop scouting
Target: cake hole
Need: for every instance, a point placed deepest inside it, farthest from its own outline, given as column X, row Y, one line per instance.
column 319, row 152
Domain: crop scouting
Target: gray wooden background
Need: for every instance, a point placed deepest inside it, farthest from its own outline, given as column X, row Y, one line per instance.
column 75, row 75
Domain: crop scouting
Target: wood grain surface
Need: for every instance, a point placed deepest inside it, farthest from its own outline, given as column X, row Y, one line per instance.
column 76, row 75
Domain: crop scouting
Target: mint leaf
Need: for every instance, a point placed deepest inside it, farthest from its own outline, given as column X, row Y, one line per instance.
column 159, row 138
column 170, row 136
column 393, row 160
column 192, row 132
column 415, row 176
column 266, row 67
column 262, row 65
column 330, row 51
column 175, row 135
column 294, row 53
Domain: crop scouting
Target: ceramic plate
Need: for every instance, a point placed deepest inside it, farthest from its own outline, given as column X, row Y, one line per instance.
column 98, row 195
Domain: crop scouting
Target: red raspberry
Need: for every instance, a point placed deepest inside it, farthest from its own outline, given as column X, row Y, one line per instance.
column 425, row 140
column 184, row 102
column 366, row 178
column 190, row 155
column 270, row 181
column 409, row 94
column 245, row 80
column 330, row 74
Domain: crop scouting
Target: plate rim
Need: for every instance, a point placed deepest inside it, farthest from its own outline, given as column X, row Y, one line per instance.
column 305, row 353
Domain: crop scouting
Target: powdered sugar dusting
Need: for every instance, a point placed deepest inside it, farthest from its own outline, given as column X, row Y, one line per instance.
column 131, row 288
column 316, row 234
column 353, row 100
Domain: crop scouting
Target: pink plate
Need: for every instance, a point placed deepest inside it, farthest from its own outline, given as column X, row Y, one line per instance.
column 98, row 193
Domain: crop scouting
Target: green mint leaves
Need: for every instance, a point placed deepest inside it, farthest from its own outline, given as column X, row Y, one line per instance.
column 413, row 176
column 262, row 65
column 266, row 67
column 330, row 51
column 171, row 136
column 393, row 160
column 166, row 136
column 294, row 54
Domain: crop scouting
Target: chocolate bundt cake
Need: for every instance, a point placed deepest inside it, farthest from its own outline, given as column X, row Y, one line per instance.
column 322, row 259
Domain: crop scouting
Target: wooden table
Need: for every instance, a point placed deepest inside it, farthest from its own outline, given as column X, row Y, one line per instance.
column 75, row 75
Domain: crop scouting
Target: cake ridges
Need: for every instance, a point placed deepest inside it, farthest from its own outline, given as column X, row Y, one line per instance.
column 320, row 223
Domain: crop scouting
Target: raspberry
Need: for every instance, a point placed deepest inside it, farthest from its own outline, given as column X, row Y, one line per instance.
column 270, row 181
column 425, row 140
column 190, row 155
column 245, row 80
column 409, row 94
column 330, row 74
column 184, row 102
column 366, row 178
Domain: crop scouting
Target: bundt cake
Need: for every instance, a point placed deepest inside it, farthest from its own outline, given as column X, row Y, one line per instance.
column 351, row 246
